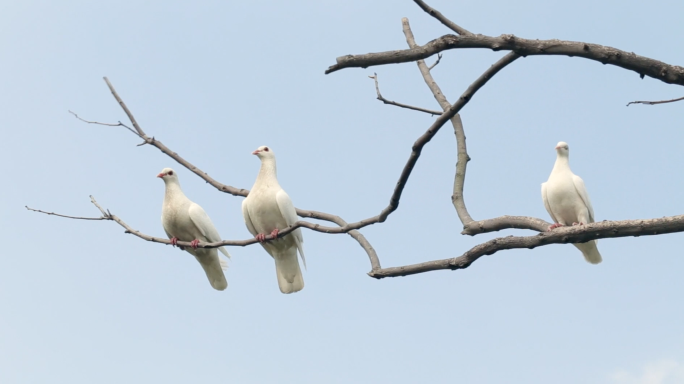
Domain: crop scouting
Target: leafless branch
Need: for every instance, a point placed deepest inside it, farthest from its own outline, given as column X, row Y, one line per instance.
column 573, row 234
column 655, row 102
column 119, row 124
column 439, row 58
column 563, row 235
column 438, row 15
column 106, row 215
column 644, row 66
column 377, row 90
column 434, row 128
column 473, row 228
column 463, row 158
column 68, row 217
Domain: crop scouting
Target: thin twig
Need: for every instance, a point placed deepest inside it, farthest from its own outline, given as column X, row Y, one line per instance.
column 439, row 58
column 119, row 124
column 438, row 15
column 68, row 217
column 655, row 102
column 377, row 90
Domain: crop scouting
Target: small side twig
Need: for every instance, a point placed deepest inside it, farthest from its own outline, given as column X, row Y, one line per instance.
column 377, row 90
column 439, row 58
column 66, row 216
column 655, row 102
column 119, row 124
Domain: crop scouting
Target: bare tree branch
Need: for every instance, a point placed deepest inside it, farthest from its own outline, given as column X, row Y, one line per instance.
column 563, row 235
column 644, row 66
column 470, row 226
column 463, row 158
column 655, row 102
column 438, row 15
column 119, row 124
column 434, row 128
column 68, row 217
column 106, row 215
column 573, row 234
column 473, row 228
column 377, row 90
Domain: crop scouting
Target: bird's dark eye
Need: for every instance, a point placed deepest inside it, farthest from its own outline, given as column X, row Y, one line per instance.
column 170, row 173
column 266, row 149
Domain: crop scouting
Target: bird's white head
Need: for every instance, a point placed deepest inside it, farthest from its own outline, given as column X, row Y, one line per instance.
column 562, row 148
column 168, row 174
column 264, row 152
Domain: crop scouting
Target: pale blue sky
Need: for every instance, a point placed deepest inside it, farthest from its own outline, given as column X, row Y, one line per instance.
column 80, row 302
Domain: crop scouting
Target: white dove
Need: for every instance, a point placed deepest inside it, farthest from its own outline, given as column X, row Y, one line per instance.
column 268, row 209
column 567, row 201
column 184, row 220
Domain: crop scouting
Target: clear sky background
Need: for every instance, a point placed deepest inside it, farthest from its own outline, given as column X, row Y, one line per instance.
column 81, row 302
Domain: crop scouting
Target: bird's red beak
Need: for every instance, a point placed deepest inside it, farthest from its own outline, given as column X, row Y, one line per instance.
column 161, row 174
column 557, row 147
column 255, row 152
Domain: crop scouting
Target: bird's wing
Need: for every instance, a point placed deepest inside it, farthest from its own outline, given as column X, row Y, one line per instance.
column 546, row 203
column 248, row 220
column 582, row 190
column 205, row 226
column 289, row 213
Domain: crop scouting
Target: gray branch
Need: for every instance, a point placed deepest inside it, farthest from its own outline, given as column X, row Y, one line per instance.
column 644, row 66
column 463, row 158
column 563, row 235
column 473, row 228
column 377, row 90
column 655, row 102
column 106, row 215
column 435, row 127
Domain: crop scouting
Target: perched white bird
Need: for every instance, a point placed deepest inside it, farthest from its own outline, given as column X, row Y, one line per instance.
column 186, row 221
column 268, row 209
column 567, row 201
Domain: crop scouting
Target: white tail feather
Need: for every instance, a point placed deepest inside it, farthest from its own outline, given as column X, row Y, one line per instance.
column 289, row 274
column 590, row 251
column 213, row 268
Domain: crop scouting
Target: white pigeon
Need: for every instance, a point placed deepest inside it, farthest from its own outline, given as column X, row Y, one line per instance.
column 268, row 209
column 567, row 201
column 184, row 220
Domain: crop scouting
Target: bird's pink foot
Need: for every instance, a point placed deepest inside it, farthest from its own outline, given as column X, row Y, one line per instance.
column 194, row 243
column 554, row 226
column 260, row 237
column 174, row 241
column 274, row 233
column 580, row 223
